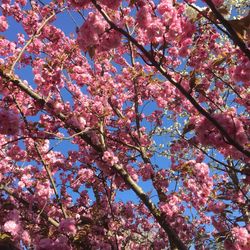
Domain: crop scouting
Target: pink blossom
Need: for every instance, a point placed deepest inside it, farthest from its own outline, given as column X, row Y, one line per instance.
column 58, row 106
column 9, row 122
column 111, row 40
column 79, row 3
column 146, row 171
column 113, row 4
column 109, row 157
column 184, row 51
column 3, row 23
column 175, row 26
column 241, row 235
column 43, row 191
column 144, row 17
column 26, row 237
column 207, row 134
column 86, row 174
column 68, row 226
column 132, row 172
column 78, row 122
column 165, row 6
column 242, row 71
column 31, row 22
column 155, row 31
column 12, row 227
column 94, row 25
column 170, row 208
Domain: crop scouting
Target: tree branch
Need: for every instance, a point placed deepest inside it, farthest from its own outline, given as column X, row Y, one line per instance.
column 229, row 28
column 36, row 34
column 27, row 204
column 193, row 101
column 160, row 218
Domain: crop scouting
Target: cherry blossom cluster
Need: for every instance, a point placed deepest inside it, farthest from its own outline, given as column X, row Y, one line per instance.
column 9, row 122
column 234, row 125
column 129, row 132
column 101, row 37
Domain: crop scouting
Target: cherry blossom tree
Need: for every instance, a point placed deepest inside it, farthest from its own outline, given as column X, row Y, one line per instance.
column 143, row 97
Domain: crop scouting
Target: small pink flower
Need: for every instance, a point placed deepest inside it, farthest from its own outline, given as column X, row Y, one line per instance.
column 166, row 209
column 68, row 226
column 79, row 3
column 9, row 122
column 3, row 24
column 109, row 157
column 144, row 17
column 241, row 235
column 86, row 174
column 165, row 6
column 146, row 171
column 94, row 25
column 12, row 227
column 111, row 40
column 26, row 237
column 113, row 4
column 22, row 2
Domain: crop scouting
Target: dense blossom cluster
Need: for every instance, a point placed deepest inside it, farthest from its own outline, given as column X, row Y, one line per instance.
column 131, row 132
column 101, row 37
column 233, row 124
column 241, row 72
column 9, row 122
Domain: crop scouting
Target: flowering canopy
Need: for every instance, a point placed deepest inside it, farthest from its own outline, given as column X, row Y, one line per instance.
column 146, row 97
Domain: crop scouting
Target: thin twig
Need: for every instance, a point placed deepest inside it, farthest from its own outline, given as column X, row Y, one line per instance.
column 35, row 35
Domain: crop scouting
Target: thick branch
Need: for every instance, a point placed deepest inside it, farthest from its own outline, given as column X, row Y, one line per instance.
column 229, row 28
column 51, row 180
column 160, row 218
column 207, row 17
column 49, row 106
